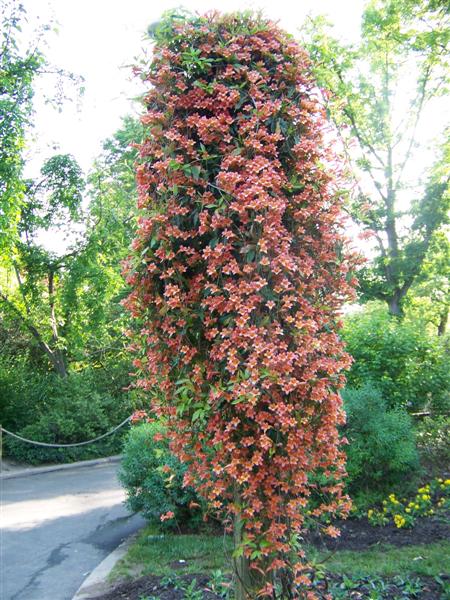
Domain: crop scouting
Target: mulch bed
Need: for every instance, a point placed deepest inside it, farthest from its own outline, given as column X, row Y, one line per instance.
column 151, row 587
column 358, row 534
column 155, row 587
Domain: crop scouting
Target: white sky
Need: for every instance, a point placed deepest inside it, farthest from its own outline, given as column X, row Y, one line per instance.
column 98, row 38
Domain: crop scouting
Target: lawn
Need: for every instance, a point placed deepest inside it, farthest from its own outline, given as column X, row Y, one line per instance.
column 162, row 555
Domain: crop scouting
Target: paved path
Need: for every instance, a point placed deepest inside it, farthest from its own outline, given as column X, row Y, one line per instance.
column 56, row 528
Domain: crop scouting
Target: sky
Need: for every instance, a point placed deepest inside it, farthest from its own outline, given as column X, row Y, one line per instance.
column 100, row 39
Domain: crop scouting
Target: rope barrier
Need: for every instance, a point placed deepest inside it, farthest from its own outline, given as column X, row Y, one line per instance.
column 46, row 445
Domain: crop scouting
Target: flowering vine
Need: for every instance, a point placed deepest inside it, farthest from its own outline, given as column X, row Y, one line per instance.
column 238, row 272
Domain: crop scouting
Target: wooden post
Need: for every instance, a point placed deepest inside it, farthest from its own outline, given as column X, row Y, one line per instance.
column 241, row 563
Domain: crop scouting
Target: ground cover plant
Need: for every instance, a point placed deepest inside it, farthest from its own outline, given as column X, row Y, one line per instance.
column 239, row 270
column 432, row 498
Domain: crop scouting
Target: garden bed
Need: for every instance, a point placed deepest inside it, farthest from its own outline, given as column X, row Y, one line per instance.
column 199, row 587
column 196, row 567
column 358, row 534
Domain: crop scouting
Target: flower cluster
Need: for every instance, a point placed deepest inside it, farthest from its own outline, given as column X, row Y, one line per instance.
column 429, row 498
column 239, row 271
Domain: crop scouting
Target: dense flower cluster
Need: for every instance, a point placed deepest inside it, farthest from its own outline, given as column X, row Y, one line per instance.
column 429, row 500
column 239, row 271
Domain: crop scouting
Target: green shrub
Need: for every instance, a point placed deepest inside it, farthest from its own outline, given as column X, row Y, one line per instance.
column 408, row 364
column 381, row 455
column 22, row 392
column 153, row 479
column 47, row 408
column 433, row 442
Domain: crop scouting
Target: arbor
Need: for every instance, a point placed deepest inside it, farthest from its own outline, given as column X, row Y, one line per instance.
column 378, row 93
column 238, row 273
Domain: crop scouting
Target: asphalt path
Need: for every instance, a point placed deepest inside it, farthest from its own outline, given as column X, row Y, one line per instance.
column 56, row 527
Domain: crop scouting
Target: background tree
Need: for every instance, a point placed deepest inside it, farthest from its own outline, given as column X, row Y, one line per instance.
column 70, row 302
column 52, row 203
column 430, row 296
column 18, row 69
column 239, row 271
column 378, row 93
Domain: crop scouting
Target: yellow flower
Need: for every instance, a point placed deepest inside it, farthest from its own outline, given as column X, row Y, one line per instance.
column 369, row 513
column 408, row 510
column 447, row 482
column 399, row 521
column 416, row 506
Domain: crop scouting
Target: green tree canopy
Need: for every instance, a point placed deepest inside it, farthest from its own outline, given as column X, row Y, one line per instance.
column 18, row 69
column 378, row 92
column 69, row 303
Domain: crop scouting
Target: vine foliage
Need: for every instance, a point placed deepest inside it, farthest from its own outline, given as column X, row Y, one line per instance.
column 238, row 272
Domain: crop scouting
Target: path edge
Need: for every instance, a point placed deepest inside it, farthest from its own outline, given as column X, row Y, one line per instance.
column 61, row 467
column 96, row 583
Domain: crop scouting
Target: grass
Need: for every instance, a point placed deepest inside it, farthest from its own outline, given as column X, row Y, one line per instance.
column 386, row 561
column 153, row 553
column 161, row 554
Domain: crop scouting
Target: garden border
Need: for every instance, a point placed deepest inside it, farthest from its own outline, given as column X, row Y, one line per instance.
column 95, row 583
column 60, row 467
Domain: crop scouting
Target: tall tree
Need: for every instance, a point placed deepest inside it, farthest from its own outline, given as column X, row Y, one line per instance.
column 51, row 204
column 18, row 69
column 378, row 91
column 69, row 301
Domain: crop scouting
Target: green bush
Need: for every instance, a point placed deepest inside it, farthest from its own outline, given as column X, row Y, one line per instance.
column 47, row 408
column 433, row 442
column 153, row 479
column 408, row 364
column 381, row 455
column 22, row 392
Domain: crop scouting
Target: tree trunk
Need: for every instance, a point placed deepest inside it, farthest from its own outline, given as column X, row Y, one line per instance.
column 442, row 326
column 58, row 359
column 241, row 563
column 59, row 364
column 395, row 306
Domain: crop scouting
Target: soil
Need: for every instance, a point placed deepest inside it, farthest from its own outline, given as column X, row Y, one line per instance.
column 358, row 534
column 151, row 587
